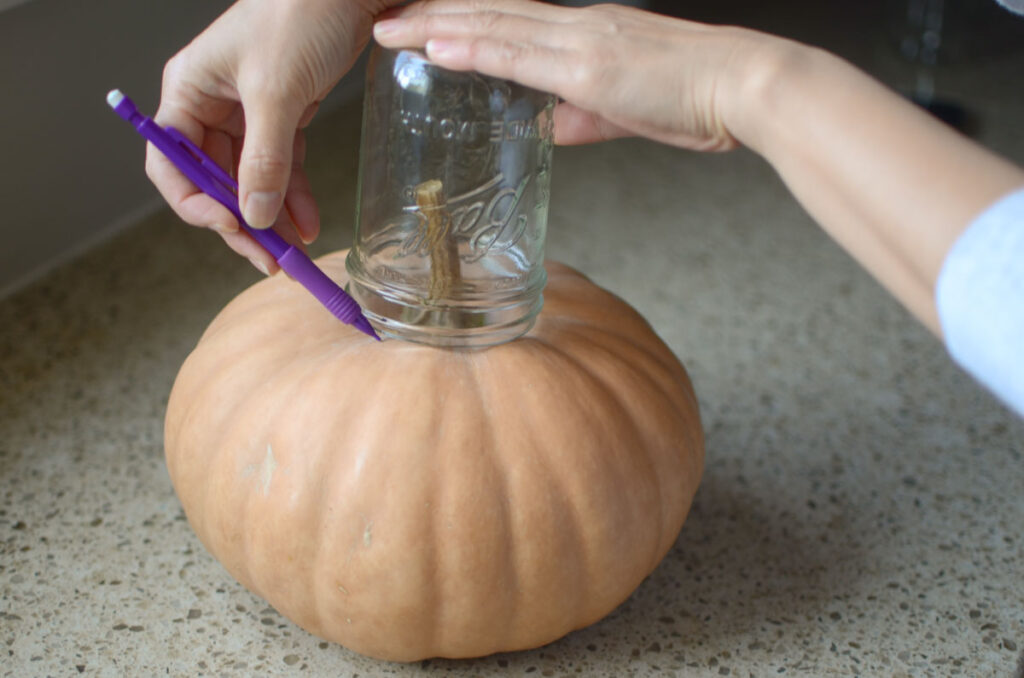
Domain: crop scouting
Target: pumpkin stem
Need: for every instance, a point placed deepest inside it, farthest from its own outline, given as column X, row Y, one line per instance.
column 445, row 272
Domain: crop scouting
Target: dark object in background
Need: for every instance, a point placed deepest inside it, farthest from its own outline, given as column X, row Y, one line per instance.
column 952, row 113
column 920, row 45
column 967, row 31
column 935, row 33
column 904, row 43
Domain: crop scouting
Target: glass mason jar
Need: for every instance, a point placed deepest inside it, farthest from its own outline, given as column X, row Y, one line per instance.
column 454, row 178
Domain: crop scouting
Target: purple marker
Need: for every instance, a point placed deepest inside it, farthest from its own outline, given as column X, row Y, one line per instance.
column 212, row 180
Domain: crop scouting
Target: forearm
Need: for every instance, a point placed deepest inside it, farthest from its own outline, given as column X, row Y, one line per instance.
column 889, row 183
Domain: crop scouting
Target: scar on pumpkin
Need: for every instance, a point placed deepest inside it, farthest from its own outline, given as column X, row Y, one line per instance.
column 267, row 470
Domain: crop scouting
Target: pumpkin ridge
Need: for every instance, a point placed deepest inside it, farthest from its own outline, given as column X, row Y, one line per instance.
column 319, row 466
column 441, row 487
column 574, row 550
column 196, row 393
column 638, row 433
column 248, row 302
column 499, row 466
column 661, row 361
column 570, row 553
column 652, row 345
column 282, row 404
column 354, row 425
column 653, row 363
column 432, row 528
column 675, row 375
column 322, row 571
column 251, row 546
column 210, row 533
column 253, row 351
column 612, row 397
column 405, row 367
column 626, row 321
column 579, row 553
column 193, row 410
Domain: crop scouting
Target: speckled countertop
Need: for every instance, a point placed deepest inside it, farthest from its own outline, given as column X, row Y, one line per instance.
column 860, row 514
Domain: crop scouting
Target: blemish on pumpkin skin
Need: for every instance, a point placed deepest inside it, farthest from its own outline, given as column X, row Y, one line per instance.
column 367, row 537
column 267, row 470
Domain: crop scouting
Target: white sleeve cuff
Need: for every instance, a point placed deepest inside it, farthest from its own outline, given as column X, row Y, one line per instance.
column 1016, row 6
column 980, row 299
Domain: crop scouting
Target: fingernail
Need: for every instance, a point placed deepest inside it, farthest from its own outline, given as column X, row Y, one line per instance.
column 260, row 266
column 224, row 228
column 386, row 27
column 438, row 48
column 261, row 208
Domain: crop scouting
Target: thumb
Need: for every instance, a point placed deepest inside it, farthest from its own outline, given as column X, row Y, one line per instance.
column 265, row 164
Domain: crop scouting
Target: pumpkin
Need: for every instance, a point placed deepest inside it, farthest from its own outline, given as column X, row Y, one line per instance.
column 408, row 501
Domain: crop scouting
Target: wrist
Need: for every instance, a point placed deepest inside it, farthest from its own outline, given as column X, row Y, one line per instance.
column 763, row 72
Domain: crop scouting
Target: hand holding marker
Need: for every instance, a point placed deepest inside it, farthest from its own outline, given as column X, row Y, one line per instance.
column 211, row 179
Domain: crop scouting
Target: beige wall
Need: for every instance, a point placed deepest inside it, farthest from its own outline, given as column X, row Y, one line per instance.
column 71, row 170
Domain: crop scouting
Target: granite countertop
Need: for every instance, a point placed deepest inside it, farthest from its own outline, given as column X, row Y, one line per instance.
column 860, row 512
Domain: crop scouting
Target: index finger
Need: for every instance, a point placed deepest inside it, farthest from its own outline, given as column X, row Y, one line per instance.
column 532, row 51
column 188, row 202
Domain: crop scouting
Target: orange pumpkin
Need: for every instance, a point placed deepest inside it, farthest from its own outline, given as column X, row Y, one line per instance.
column 410, row 502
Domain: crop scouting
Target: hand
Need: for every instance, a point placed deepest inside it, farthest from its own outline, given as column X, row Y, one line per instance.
column 889, row 183
column 243, row 90
column 621, row 71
